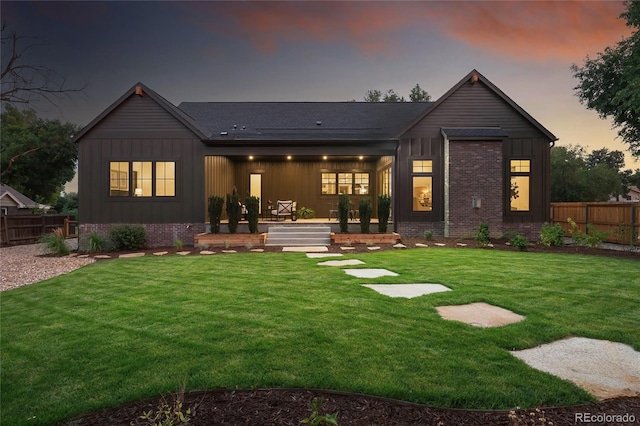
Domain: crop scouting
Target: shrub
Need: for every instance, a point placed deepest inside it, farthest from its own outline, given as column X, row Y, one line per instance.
column 317, row 419
column 344, row 205
column 306, row 213
column 428, row 235
column 56, row 242
column 592, row 238
column 253, row 211
column 483, row 237
column 520, row 242
column 94, row 243
column 215, row 212
column 384, row 210
column 233, row 210
column 128, row 237
column 168, row 413
column 177, row 243
column 365, row 208
column 552, row 235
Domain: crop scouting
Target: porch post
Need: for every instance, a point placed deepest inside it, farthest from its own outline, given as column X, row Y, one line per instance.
column 446, row 184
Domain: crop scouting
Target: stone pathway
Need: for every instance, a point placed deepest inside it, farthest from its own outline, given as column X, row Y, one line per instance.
column 407, row 290
column 479, row 314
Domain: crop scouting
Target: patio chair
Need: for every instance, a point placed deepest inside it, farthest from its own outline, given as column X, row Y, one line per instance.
column 284, row 209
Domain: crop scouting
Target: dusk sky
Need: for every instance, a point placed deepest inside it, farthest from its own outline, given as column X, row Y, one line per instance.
column 324, row 51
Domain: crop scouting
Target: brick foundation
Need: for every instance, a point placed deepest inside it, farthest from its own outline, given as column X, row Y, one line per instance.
column 158, row 234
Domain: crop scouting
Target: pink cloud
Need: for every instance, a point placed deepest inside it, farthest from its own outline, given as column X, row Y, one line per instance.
column 535, row 30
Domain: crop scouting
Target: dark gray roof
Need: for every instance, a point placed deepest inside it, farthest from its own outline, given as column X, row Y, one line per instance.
column 475, row 132
column 19, row 197
column 271, row 121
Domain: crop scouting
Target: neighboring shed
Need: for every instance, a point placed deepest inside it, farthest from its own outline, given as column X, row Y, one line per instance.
column 13, row 202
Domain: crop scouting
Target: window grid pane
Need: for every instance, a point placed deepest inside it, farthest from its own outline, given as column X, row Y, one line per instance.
column 361, row 181
column 345, row 183
column 520, row 187
column 141, row 178
column 328, row 183
column 165, row 179
column 119, row 178
column 520, row 166
column 422, row 166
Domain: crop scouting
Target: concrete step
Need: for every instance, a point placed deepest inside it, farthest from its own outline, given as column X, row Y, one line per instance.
column 299, row 236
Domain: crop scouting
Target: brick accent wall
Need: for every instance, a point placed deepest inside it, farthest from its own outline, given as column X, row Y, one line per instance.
column 475, row 172
column 158, row 234
column 416, row 229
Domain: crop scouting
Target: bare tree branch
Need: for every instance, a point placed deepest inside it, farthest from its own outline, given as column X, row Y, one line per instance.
column 23, row 83
column 15, row 157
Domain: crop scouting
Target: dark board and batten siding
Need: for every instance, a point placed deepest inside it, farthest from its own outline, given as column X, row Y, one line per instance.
column 472, row 105
column 140, row 130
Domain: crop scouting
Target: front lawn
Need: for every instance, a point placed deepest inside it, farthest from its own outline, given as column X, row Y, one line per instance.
column 127, row 329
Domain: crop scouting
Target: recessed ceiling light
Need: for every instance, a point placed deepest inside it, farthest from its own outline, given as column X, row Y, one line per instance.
column 288, row 157
column 324, row 157
column 361, row 157
column 251, row 157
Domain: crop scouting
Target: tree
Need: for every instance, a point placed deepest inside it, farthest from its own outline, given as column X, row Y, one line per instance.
column 416, row 95
column 37, row 157
column 23, row 82
column 573, row 179
column 419, row 95
column 610, row 83
column 613, row 159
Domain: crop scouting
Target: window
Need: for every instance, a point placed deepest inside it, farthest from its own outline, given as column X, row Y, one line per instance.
column 520, row 184
column 385, row 183
column 119, row 178
column 361, row 183
column 422, row 185
column 345, row 183
column 328, row 183
column 142, row 179
column 165, row 179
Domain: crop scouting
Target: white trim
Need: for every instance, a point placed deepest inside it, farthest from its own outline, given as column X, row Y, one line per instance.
column 19, row 204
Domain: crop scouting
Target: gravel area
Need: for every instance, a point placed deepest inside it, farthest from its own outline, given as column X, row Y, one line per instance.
column 22, row 265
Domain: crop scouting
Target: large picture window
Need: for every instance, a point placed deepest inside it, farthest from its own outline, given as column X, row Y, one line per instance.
column 345, row 183
column 520, row 185
column 422, row 196
column 142, row 179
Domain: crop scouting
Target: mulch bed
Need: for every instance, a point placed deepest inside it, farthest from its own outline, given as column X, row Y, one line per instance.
column 291, row 406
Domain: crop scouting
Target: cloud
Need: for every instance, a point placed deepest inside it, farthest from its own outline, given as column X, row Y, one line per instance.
column 526, row 30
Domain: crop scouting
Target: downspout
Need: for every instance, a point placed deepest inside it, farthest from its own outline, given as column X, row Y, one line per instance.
column 446, row 184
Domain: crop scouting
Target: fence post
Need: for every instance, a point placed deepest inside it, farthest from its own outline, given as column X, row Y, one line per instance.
column 633, row 225
column 44, row 225
column 586, row 218
column 66, row 227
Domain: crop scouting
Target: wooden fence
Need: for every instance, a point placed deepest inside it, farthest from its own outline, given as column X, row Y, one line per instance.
column 620, row 221
column 28, row 229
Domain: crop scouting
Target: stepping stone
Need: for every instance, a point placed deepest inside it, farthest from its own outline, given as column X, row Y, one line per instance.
column 83, row 256
column 348, row 262
column 374, row 248
column 407, row 290
column 310, row 249
column 603, row 368
column 490, row 245
column 126, row 255
column 321, row 255
column 257, row 250
column 72, row 254
column 399, row 246
column 183, row 253
column 421, row 245
column 479, row 314
column 461, row 244
column 347, row 248
column 224, row 251
column 370, row 273
column 440, row 244
column 161, row 253
column 102, row 256
column 208, row 252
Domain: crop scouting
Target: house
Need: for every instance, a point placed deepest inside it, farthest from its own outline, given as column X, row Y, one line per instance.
column 13, row 202
column 632, row 195
column 472, row 156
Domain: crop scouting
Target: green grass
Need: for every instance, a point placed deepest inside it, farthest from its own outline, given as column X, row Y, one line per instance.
column 128, row 329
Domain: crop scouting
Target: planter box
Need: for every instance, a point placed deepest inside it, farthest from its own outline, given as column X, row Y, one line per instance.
column 232, row 240
column 347, row 238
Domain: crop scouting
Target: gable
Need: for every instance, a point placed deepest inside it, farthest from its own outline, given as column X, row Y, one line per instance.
column 139, row 117
column 475, row 105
